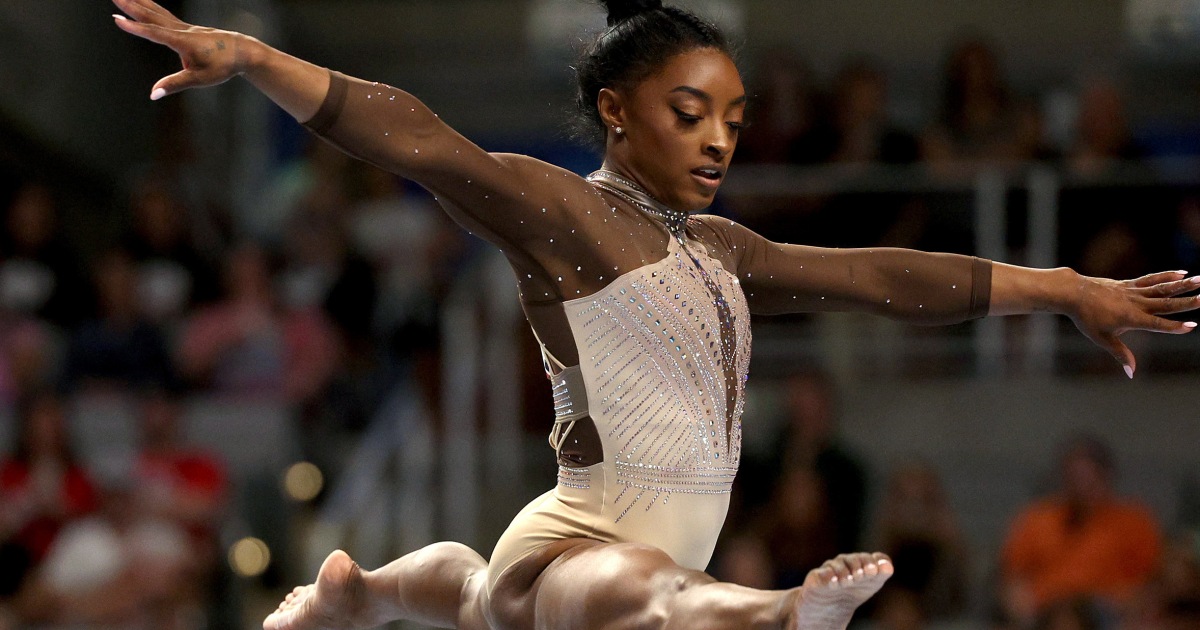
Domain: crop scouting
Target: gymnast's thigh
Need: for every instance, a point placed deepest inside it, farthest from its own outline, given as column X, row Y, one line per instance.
column 584, row 584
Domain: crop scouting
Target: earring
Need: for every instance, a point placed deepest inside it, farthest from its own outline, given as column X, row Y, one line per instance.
column 619, row 130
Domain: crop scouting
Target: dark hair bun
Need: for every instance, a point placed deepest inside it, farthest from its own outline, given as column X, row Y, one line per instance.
column 621, row 10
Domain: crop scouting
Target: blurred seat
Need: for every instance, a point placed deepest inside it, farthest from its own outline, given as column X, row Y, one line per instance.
column 257, row 440
column 103, row 432
column 8, row 431
column 252, row 436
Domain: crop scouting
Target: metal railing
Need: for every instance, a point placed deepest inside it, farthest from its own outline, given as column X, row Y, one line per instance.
column 992, row 190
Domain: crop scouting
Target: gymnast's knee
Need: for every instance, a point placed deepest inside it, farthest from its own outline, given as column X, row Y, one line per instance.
column 447, row 558
column 638, row 589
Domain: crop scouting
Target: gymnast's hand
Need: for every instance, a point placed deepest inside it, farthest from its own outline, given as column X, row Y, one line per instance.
column 1105, row 309
column 209, row 56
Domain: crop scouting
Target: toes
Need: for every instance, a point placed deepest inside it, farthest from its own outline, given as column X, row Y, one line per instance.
column 846, row 569
column 841, row 571
column 856, row 562
column 826, row 575
column 884, row 563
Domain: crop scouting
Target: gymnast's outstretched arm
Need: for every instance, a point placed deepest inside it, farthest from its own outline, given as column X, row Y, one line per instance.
column 930, row 288
column 484, row 192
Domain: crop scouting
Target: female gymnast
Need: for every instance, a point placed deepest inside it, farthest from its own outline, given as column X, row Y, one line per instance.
column 643, row 310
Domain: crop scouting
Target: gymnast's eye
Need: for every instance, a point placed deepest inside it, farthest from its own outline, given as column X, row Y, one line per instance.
column 686, row 117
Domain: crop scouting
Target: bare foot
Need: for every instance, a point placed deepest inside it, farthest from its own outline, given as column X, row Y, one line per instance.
column 329, row 604
column 837, row 588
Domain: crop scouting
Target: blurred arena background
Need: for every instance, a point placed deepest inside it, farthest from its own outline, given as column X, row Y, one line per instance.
column 226, row 350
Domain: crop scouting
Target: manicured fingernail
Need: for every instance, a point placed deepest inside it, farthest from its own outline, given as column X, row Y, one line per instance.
column 119, row 17
column 1189, row 324
column 157, row 94
column 1128, row 371
column 1182, row 273
column 833, row 580
column 882, row 562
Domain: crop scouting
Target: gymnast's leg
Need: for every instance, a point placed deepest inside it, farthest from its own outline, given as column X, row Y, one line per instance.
column 638, row 587
column 576, row 585
column 442, row 585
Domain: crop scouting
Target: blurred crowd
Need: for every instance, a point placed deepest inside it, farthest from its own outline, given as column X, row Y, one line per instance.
column 1082, row 557
column 313, row 312
column 327, row 294
column 879, row 180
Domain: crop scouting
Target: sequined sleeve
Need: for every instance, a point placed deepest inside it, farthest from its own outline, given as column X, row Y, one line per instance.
column 908, row 285
column 491, row 194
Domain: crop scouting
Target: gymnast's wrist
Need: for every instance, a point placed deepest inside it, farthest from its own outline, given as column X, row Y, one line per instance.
column 1064, row 292
column 250, row 54
column 1022, row 290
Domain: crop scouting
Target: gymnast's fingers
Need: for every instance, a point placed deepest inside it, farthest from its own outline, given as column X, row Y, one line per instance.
column 1167, row 326
column 149, row 13
column 1157, row 278
column 178, row 82
column 1119, row 351
column 1170, row 289
column 1168, row 306
column 152, row 32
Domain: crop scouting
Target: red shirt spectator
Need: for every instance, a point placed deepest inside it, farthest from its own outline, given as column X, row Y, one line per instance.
column 42, row 487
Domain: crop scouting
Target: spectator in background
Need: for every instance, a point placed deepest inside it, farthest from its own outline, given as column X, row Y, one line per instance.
column 172, row 273
column 786, row 124
column 811, row 443
column 315, row 183
column 322, row 272
column 1172, row 602
column 42, row 488
column 863, row 139
column 746, row 561
column 863, row 133
column 118, row 567
column 1100, row 234
column 174, row 481
column 798, row 527
column 119, row 348
column 1102, row 137
column 249, row 344
column 39, row 274
column 979, row 122
column 1083, row 542
column 27, row 356
column 183, row 487
column 917, row 528
column 391, row 223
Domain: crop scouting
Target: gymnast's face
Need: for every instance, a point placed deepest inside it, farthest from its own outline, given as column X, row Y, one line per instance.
column 680, row 126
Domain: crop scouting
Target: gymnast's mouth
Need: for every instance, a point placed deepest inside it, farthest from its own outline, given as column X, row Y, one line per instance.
column 709, row 175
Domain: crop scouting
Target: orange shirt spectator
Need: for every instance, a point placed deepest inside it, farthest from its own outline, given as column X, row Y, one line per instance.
column 1084, row 542
column 1110, row 553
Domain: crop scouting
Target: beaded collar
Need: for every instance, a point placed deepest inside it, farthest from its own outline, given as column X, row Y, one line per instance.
column 636, row 195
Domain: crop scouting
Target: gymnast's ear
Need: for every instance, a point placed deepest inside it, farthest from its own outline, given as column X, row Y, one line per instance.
column 611, row 107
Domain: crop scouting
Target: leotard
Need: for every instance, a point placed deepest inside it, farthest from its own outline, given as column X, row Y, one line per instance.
column 654, row 304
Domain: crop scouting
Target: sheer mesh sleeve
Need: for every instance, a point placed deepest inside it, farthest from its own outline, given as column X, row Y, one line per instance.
column 489, row 194
column 902, row 284
column 564, row 238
